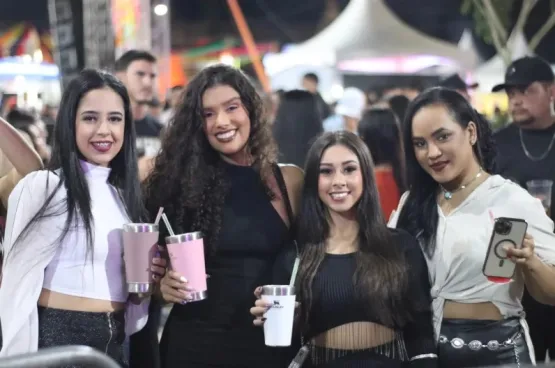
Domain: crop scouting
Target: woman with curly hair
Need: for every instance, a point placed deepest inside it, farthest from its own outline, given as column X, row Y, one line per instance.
column 217, row 173
column 451, row 208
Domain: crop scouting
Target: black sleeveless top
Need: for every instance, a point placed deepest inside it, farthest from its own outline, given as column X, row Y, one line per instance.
column 251, row 237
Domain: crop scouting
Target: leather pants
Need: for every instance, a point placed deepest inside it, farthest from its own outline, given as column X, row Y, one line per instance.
column 477, row 343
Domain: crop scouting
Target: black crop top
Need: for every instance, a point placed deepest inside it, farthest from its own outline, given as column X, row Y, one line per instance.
column 335, row 304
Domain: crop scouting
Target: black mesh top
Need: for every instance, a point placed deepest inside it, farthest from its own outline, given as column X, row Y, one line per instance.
column 335, row 302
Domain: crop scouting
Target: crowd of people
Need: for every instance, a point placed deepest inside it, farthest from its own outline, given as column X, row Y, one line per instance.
column 387, row 205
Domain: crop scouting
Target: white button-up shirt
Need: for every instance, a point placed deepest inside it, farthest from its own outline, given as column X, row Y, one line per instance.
column 462, row 242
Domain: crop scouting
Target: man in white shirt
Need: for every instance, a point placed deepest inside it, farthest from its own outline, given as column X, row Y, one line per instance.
column 348, row 112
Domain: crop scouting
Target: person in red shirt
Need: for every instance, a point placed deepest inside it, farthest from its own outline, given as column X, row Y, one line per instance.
column 379, row 129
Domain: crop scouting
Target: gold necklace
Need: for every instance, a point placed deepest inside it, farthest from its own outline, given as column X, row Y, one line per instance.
column 449, row 194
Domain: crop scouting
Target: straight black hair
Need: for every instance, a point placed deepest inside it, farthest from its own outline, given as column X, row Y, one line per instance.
column 66, row 164
column 298, row 122
column 380, row 130
column 419, row 214
column 381, row 275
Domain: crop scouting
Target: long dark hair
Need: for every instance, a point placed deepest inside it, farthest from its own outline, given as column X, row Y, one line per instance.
column 381, row 275
column 399, row 105
column 66, row 163
column 188, row 177
column 298, row 122
column 379, row 129
column 419, row 214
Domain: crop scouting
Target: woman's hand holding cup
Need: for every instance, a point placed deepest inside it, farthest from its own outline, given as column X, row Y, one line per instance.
column 158, row 266
column 175, row 288
column 261, row 307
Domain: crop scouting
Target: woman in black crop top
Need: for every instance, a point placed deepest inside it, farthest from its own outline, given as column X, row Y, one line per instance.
column 217, row 173
column 363, row 288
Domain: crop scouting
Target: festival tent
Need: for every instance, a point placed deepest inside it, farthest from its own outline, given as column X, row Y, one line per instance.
column 24, row 39
column 492, row 71
column 368, row 37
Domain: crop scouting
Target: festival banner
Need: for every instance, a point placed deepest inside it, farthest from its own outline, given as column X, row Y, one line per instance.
column 98, row 35
column 66, row 24
column 131, row 21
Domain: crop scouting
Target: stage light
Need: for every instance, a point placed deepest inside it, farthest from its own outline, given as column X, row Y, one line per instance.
column 161, row 10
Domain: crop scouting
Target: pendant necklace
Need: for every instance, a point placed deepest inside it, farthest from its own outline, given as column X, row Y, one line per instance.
column 449, row 194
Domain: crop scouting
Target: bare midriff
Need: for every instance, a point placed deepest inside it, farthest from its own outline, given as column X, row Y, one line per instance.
column 480, row 311
column 355, row 336
column 52, row 299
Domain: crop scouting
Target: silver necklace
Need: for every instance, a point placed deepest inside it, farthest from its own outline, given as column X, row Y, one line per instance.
column 449, row 194
column 529, row 155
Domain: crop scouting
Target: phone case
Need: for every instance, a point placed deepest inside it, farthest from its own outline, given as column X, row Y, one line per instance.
column 497, row 264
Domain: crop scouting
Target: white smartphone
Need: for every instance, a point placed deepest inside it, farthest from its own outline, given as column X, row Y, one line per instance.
column 506, row 232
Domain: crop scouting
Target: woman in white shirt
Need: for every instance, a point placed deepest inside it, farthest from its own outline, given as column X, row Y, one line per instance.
column 453, row 201
column 63, row 238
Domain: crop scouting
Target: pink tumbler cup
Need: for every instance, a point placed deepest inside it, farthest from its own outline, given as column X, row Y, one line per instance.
column 186, row 253
column 140, row 243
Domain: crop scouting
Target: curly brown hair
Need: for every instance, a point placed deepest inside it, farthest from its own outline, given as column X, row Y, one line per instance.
column 188, row 178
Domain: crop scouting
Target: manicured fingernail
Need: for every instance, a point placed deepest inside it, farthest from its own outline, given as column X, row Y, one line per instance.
column 184, row 302
column 183, row 279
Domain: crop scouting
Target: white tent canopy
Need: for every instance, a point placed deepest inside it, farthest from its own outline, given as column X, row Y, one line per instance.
column 492, row 72
column 367, row 29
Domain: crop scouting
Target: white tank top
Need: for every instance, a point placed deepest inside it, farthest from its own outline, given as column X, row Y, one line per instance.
column 98, row 273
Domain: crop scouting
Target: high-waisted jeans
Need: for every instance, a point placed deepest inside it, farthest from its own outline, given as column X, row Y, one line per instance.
column 104, row 332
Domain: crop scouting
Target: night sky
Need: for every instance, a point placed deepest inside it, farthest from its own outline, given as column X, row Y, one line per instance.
column 286, row 11
column 437, row 18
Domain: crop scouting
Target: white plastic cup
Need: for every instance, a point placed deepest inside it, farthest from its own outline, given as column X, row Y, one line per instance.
column 278, row 327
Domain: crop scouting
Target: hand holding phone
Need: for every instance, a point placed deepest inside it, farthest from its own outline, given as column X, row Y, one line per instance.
column 507, row 232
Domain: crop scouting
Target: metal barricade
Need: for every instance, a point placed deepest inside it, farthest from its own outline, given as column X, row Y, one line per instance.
column 60, row 356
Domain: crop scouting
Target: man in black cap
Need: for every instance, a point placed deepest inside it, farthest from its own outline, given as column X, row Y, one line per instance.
column 454, row 81
column 526, row 153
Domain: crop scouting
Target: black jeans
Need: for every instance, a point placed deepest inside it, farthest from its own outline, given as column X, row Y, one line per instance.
column 467, row 343
column 104, row 332
column 143, row 345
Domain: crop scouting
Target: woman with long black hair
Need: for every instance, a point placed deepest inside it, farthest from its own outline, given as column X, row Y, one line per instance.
column 379, row 129
column 217, row 173
column 63, row 235
column 363, row 288
column 298, row 122
column 451, row 208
